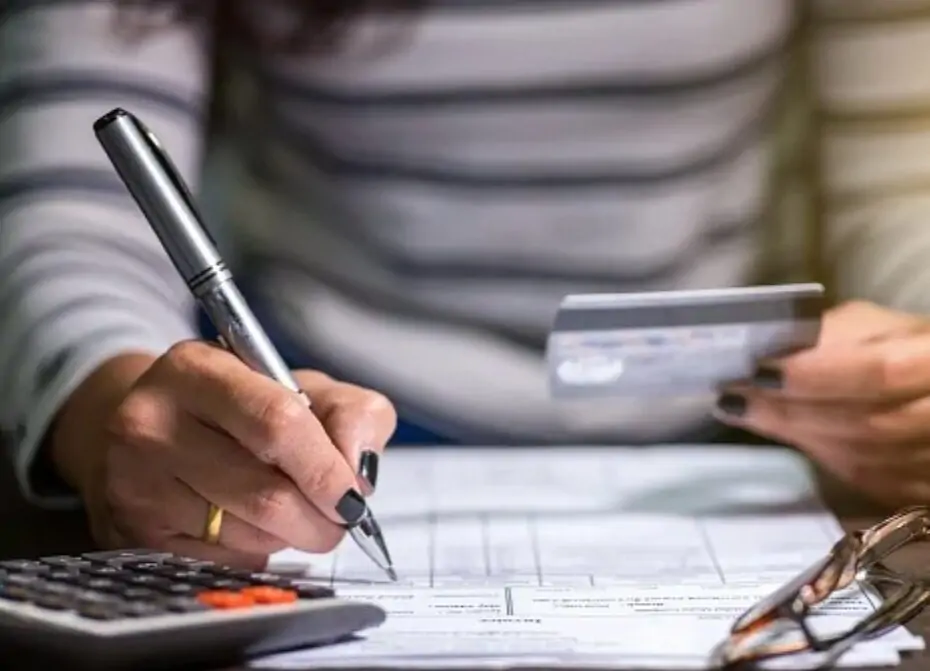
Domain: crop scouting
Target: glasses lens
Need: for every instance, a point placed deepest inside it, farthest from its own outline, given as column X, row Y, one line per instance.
column 771, row 605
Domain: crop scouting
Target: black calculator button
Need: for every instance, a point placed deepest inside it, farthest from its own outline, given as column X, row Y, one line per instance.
column 182, row 589
column 103, row 585
column 99, row 611
column 269, row 579
column 313, row 591
column 138, row 593
column 143, row 580
column 120, row 556
column 112, row 572
column 15, row 593
column 59, row 575
column 226, row 584
column 88, row 598
column 229, row 572
column 140, row 609
column 53, row 602
column 188, row 562
column 22, row 579
column 183, row 605
column 144, row 566
column 55, row 588
column 65, row 562
column 23, row 566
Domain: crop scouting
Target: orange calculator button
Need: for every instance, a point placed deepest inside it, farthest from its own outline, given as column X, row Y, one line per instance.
column 270, row 595
column 225, row 599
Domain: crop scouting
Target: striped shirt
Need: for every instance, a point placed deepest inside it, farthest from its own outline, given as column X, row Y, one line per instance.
column 411, row 207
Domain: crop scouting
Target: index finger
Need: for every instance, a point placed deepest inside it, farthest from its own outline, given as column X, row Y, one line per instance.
column 275, row 424
column 897, row 368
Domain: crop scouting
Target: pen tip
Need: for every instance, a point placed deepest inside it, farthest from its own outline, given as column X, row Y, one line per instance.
column 392, row 574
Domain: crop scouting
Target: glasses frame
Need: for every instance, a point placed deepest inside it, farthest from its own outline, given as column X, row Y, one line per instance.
column 857, row 558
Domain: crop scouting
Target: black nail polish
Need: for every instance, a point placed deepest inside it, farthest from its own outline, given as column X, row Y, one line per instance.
column 351, row 507
column 732, row 404
column 368, row 467
column 767, row 377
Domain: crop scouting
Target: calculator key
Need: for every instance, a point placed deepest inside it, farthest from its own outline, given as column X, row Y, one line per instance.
column 15, row 593
column 313, row 591
column 228, row 572
column 225, row 600
column 119, row 556
column 143, row 566
column 270, row 579
column 188, row 562
column 55, row 588
column 59, row 575
column 140, row 609
column 138, row 593
column 230, row 585
column 270, row 595
column 99, row 611
column 23, row 566
column 143, row 580
column 65, row 562
column 22, row 579
column 182, row 589
column 102, row 585
column 52, row 602
column 96, row 598
column 180, row 574
column 184, row 605
column 106, row 572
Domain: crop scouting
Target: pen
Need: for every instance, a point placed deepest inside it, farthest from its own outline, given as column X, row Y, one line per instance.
column 165, row 200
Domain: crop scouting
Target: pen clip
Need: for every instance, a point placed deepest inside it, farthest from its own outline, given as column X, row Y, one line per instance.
column 170, row 168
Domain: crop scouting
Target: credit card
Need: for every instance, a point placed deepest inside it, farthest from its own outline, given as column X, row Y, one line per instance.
column 676, row 343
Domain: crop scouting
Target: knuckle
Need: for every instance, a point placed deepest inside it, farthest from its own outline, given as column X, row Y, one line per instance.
column 893, row 371
column 317, row 480
column 269, row 504
column 278, row 418
column 189, row 356
column 135, row 422
column 875, row 426
column 376, row 403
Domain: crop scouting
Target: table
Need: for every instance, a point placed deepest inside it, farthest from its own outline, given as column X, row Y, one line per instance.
column 27, row 532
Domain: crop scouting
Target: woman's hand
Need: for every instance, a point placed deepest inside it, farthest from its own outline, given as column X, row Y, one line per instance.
column 199, row 427
column 858, row 403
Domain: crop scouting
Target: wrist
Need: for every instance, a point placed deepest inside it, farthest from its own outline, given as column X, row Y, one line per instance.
column 75, row 445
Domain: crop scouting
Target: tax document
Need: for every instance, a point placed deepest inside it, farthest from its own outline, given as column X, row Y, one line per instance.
column 580, row 558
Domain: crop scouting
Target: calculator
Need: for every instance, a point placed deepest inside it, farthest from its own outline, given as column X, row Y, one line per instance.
column 141, row 609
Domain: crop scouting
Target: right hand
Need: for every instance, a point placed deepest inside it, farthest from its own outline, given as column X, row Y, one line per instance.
column 198, row 426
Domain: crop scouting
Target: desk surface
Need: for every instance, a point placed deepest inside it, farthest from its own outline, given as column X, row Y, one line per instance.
column 27, row 532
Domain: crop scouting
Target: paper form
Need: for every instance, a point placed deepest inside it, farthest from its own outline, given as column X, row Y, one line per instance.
column 579, row 557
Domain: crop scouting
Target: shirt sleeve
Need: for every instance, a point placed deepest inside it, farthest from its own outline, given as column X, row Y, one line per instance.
column 82, row 276
column 871, row 74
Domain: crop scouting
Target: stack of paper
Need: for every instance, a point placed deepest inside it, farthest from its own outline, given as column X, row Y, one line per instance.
column 606, row 558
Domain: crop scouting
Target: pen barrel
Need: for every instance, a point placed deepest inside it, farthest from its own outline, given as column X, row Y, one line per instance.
column 156, row 186
column 240, row 330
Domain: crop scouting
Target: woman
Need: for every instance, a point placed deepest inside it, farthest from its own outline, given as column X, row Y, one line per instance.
column 416, row 187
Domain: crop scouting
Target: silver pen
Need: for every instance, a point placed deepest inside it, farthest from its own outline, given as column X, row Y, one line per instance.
column 165, row 200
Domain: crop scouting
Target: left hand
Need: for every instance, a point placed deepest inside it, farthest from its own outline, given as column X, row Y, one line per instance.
column 858, row 403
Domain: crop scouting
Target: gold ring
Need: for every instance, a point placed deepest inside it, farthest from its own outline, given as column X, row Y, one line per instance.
column 211, row 533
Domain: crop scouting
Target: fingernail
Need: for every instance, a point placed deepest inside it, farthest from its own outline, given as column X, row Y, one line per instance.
column 351, row 507
column 767, row 377
column 368, row 467
column 732, row 404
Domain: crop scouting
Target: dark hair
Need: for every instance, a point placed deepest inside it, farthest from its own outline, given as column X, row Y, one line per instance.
column 318, row 24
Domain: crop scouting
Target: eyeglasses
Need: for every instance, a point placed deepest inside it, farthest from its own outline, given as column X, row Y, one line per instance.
column 779, row 625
